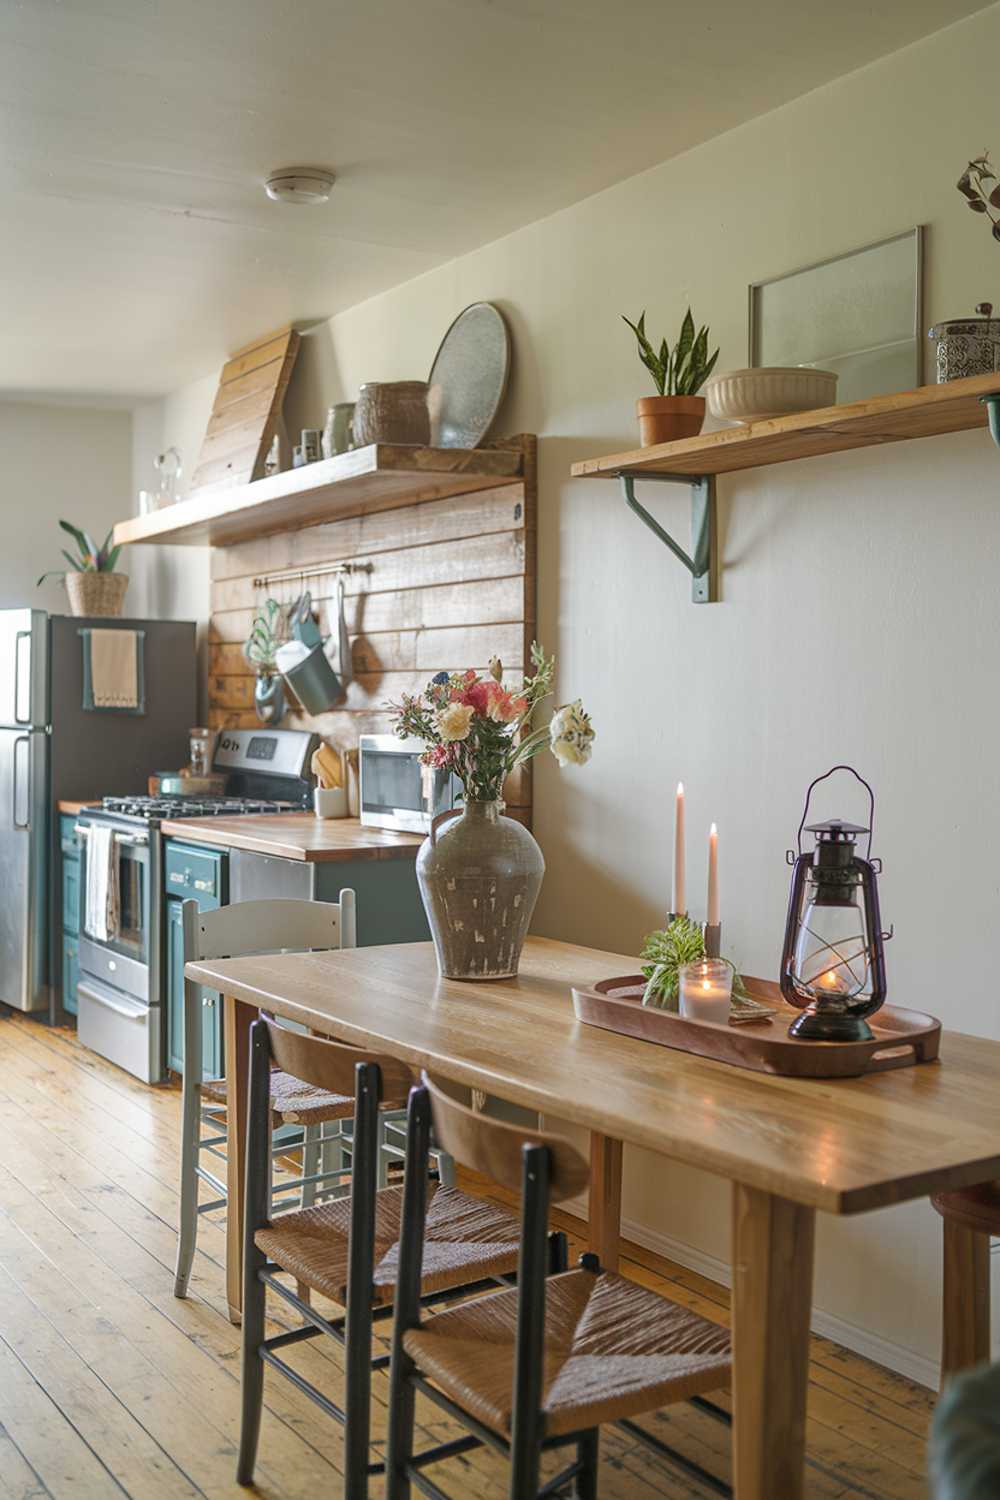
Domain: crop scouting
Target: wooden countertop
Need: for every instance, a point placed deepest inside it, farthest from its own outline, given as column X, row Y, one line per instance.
column 75, row 808
column 844, row 1145
column 297, row 836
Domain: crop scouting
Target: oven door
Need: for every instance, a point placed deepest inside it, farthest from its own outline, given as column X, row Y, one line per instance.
column 132, row 875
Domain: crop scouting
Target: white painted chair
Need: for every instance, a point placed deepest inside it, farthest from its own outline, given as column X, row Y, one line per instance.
column 241, row 930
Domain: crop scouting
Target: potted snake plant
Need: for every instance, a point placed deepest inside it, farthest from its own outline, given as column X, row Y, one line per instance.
column 676, row 411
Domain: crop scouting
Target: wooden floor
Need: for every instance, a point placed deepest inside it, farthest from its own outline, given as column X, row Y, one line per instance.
column 110, row 1386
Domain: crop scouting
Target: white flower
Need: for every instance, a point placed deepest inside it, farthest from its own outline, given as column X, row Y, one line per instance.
column 571, row 735
column 453, row 721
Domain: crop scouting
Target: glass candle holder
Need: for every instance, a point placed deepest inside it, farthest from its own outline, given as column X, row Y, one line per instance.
column 706, row 990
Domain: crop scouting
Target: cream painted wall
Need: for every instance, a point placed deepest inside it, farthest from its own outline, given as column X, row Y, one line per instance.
column 173, row 582
column 57, row 461
column 859, row 614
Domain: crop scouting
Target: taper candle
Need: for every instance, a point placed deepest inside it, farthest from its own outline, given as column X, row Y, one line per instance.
column 713, row 876
column 679, row 903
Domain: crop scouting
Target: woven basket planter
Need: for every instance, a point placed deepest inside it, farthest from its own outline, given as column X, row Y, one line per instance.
column 96, row 593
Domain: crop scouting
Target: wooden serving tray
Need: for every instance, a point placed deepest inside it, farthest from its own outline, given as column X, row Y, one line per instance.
column 902, row 1037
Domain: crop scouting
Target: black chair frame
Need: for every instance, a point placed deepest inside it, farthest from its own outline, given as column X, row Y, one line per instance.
column 528, row 1440
column 353, row 1331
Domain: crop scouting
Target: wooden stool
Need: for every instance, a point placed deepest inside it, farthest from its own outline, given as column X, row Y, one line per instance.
column 347, row 1249
column 544, row 1365
column 970, row 1216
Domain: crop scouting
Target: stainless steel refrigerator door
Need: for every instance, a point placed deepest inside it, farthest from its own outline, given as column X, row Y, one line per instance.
column 24, row 668
column 23, row 840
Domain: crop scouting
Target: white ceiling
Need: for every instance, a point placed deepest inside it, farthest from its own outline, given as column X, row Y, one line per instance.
column 138, row 247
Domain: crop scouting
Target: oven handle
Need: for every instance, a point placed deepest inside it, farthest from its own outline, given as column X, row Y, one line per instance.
column 136, row 840
column 139, row 1013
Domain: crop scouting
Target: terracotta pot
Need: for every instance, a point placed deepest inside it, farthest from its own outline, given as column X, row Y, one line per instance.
column 392, row 411
column 666, row 419
column 96, row 593
column 479, row 878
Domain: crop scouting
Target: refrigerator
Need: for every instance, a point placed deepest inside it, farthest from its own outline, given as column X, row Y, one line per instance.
column 53, row 748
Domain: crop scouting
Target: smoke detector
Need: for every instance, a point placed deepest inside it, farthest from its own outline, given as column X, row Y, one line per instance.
column 300, row 185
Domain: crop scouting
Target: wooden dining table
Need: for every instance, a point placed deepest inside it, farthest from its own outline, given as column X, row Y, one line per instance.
column 789, row 1146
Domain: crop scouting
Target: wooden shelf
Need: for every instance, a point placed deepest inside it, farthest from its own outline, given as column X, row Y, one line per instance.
column 379, row 477
column 925, row 412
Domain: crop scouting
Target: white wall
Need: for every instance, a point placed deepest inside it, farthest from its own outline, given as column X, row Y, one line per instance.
column 173, row 582
column 859, row 615
column 57, row 462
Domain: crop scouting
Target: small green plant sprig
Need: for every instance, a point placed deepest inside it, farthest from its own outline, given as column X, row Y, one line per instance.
column 683, row 370
column 92, row 559
column 264, row 638
column 663, row 953
column 974, row 187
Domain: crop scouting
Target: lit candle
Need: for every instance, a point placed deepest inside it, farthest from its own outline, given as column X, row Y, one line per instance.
column 706, row 988
column 713, row 876
column 679, row 904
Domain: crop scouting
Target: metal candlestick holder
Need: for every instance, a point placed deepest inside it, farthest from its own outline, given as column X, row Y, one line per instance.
column 712, row 933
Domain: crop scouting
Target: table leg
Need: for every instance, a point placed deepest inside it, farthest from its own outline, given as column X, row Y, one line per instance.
column 605, row 1198
column 772, row 1300
column 965, row 1334
column 238, row 1019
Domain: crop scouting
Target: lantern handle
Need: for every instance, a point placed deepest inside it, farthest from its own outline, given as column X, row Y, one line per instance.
column 871, row 803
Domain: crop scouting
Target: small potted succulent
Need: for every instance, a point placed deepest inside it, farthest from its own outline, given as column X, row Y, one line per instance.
column 259, row 649
column 92, row 585
column 676, row 411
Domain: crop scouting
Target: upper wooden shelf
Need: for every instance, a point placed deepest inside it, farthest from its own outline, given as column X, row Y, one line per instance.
column 379, row 477
column 931, row 409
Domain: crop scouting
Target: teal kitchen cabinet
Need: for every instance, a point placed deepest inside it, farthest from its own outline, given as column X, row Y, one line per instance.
column 69, row 844
column 192, row 874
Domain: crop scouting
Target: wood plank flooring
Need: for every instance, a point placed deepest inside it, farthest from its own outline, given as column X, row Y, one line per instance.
column 110, row 1386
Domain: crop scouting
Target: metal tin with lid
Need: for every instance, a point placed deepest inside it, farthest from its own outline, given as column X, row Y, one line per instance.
column 967, row 346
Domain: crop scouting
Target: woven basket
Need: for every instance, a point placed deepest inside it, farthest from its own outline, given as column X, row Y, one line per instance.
column 96, row 593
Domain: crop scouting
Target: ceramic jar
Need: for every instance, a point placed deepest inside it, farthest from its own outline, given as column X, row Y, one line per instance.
column 338, row 434
column 392, row 411
column 479, row 877
column 666, row 419
column 967, row 346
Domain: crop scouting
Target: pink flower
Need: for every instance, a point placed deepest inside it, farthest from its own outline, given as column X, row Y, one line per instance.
column 503, row 708
column 439, row 757
column 478, row 697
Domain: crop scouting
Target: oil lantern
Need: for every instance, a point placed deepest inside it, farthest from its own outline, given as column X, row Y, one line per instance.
column 833, row 959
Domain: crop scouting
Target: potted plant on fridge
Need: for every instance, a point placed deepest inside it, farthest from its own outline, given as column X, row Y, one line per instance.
column 676, row 411
column 92, row 585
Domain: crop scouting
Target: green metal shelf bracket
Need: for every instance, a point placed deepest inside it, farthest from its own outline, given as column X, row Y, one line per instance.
column 992, row 404
column 702, row 562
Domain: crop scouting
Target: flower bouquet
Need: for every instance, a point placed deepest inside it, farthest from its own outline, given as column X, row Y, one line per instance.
column 481, row 730
column 480, row 879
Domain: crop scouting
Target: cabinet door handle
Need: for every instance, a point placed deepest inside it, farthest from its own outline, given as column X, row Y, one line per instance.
column 206, row 1000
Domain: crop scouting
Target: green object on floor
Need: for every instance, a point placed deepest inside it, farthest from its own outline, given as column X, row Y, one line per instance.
column 965, row 1438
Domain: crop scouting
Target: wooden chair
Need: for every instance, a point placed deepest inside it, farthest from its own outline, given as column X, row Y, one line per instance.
column 971, row 1215
column 347, row 1249
column 544, row 1365
column 255, row 927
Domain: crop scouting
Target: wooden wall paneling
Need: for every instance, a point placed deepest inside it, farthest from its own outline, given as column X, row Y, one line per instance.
column 452, row 583
column 246, row 411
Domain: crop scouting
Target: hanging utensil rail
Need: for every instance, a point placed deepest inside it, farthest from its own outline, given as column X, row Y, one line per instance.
column 307, row 570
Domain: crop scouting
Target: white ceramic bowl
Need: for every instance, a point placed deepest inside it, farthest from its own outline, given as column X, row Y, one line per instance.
column 750, row 395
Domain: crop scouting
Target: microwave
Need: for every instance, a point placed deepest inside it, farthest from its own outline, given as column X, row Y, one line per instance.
column 396, row 791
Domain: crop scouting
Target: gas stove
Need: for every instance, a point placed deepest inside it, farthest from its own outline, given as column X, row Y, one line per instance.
column 156, row 809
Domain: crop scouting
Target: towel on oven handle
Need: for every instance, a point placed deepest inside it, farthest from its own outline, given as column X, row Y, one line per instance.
column 101, row 916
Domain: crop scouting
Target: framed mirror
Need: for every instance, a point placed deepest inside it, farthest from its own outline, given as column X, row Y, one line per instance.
column 860, row 314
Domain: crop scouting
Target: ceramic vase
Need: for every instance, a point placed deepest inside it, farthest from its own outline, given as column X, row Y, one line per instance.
column 269, row 697
column 479, row 876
